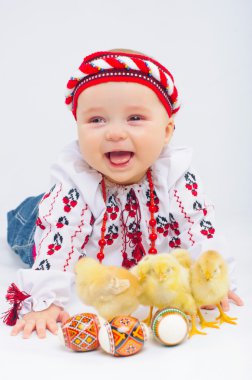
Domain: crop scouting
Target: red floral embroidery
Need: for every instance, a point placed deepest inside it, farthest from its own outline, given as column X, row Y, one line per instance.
column 207, row 228
column 112, row 230
column 85, row 242
column 56, row 246
column 62, row 221
column 71, row 200
column 132, row 235
column 43, row 265
column 175, row 241
column 92, row 220
column 174, row 225
column 132, row 204
column 111, row 235
column 77, row 230
column 112, row 207
column 191, row 183
column 198, row 207
column 156, row 199
column 46, row 195
column 162, row 222
column 53, row 201
column 40, row 224
column 162, row 225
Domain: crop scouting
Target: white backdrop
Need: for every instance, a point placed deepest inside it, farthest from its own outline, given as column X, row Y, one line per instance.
column 206, row 45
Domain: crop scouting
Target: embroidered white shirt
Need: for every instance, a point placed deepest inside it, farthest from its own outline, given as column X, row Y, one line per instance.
column 71, row 214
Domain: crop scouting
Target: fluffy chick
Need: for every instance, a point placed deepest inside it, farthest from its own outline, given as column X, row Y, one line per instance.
column 210, row 284
column 112, row 291
column 183, row 257
column 186, row 261
column 165, row 283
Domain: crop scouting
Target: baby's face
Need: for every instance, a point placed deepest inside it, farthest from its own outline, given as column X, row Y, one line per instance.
column 122, row 128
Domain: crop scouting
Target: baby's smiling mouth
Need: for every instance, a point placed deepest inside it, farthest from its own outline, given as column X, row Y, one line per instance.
column 119, row 157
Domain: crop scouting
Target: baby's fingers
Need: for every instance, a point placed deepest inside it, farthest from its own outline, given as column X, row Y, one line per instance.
column 29, row 327
column 235, row 298
column 41, row 328
column 208, row 307
column 63, row 317
column 225, row 304
column 52, row 326
column 18, row 327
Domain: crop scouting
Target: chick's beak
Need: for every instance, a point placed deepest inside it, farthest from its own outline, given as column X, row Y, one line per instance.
column 207, row 275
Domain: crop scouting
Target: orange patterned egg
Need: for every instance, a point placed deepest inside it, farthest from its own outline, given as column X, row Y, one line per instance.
column 123, row 335
column 80, row 332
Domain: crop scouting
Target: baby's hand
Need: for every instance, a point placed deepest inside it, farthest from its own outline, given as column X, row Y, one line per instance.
column 40, row 321
column 225, row 302
column 231, row 297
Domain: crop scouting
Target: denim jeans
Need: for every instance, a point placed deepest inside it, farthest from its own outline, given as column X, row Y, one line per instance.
column 21, row 225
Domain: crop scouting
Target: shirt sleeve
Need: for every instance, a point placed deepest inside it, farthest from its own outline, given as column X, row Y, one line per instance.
column 63, row 227
column 192, row 221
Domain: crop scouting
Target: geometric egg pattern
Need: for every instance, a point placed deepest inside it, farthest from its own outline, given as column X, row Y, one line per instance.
column 127, row 336
column 81, row 332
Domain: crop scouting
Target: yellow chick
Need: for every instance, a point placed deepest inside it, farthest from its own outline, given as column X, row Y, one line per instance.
column 186, row 261
column 112, row 291
column 210, row 284
column 165, row 283
column 183, row 257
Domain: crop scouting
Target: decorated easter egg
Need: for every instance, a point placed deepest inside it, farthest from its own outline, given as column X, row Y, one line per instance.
column 80, row 332
column 170, row 326
column 123, row 335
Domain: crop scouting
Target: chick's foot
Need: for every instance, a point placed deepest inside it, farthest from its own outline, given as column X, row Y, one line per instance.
column 204, row 323
column 149, row 318
column 194, row 330
column 223, row 317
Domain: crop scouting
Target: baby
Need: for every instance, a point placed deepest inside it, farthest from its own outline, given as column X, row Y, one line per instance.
column 118, row 193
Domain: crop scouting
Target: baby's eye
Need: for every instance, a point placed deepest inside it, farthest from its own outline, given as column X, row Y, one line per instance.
column 136, row 117
column 96, row 120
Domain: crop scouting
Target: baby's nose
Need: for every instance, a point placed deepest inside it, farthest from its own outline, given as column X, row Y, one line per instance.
column 116, row 132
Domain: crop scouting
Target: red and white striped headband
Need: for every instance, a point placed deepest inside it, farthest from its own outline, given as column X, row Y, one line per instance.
column 106, row 66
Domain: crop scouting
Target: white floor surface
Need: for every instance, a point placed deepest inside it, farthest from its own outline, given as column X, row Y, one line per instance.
column 221, row 354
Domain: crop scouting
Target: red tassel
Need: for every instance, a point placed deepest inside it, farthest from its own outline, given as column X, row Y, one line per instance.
column 16, row 298
column 138, row 252
column 128, row 263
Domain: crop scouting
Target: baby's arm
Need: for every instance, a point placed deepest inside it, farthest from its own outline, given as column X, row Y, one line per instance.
column 40, row 321
column 63, row 227
column 193, row 215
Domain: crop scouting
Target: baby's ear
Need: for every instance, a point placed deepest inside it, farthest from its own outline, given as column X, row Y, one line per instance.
column 169, row 129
